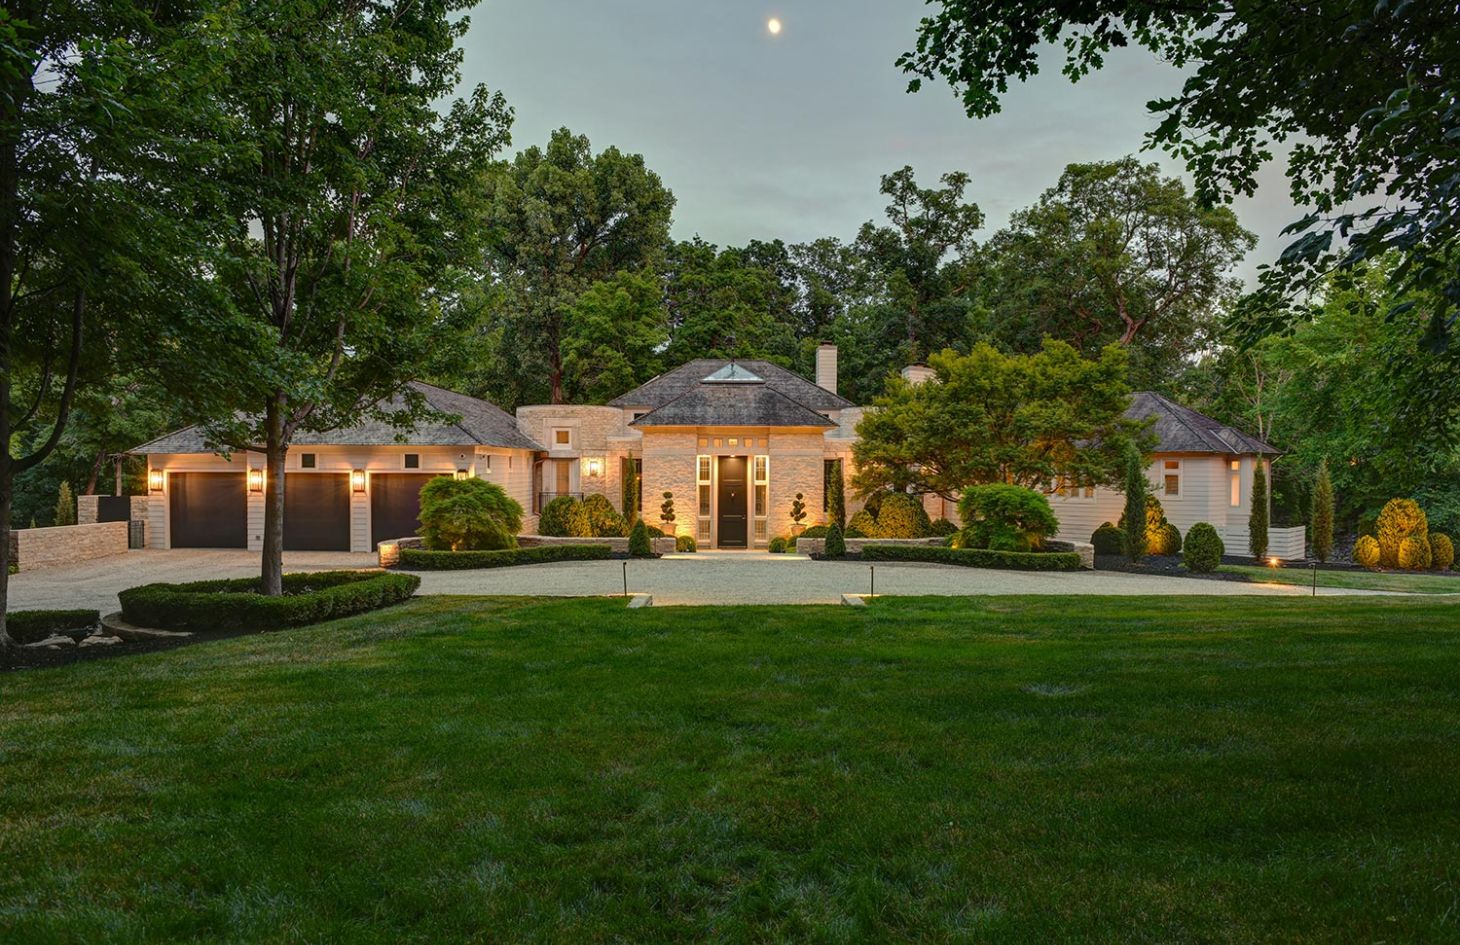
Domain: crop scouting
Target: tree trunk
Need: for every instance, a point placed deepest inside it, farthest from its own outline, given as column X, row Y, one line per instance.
column 5, row 642
column 95, row 474
column 117, row 471
column 555, row 373
column 276, row 448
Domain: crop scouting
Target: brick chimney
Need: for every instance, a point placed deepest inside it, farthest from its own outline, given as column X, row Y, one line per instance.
column 918, row 373
column 826, row 366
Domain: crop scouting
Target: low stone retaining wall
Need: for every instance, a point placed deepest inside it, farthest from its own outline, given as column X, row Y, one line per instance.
column 32, row 548
column 388, row 552
column 815, row 546
column 1084, row 549
column 88, row 508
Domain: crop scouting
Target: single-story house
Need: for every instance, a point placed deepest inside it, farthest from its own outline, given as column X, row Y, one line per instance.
column 733, row 443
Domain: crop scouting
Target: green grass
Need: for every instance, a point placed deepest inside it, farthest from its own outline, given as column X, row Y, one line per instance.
column 1351, row 580
column 941, row 770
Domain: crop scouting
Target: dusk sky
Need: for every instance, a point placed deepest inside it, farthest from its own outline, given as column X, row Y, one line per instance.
column 764, row 137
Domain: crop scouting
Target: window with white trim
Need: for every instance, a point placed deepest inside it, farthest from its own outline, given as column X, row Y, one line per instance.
column 1171, row 477
column 562, row 436
column 411, row 461
column 1236, row 477
column 703, row 482
column 761, row 481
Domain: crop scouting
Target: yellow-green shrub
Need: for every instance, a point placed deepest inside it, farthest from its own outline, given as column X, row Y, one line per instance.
column 1414, row 554
column 1366, row 552
column 1400, row 519
column 1442, row 552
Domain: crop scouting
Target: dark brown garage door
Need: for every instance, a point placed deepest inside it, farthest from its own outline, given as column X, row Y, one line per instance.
column 395, row 505
column 316, row 512
column 208, row 510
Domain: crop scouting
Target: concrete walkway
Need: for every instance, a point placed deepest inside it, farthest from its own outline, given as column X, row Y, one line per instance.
column 705, row 578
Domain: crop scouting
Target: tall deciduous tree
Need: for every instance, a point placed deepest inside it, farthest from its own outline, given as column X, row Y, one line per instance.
column 1116, row 253
column 354, row 206
column 727, row 304
column 90, row 97
column 559, row 219
column 1322, row 518
column 1041, row 421
column 614, row 334
column 1364, row 90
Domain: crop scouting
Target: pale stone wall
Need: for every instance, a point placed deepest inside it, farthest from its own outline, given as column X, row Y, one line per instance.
column 796, row 466
column 595, row 434
column 32, row 548
column 87, row 508
column 669, row 466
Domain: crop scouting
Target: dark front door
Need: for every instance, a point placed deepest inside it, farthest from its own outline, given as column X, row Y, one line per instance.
column 316, row 512
column 395, row 505
column 732, row 502
column 207, row 510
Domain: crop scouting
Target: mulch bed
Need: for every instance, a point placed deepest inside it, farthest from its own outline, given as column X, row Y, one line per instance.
column 23, row 657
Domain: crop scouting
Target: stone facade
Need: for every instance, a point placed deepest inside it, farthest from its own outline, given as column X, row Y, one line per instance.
column 86, row 508
column 32, row 548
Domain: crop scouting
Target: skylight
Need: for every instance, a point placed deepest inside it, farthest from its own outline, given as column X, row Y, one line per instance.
column 733, row 373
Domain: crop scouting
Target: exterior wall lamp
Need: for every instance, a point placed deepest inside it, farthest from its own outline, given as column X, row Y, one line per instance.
column 155, row 480
column 255, row 479
column 462, row 474
column 595, row 468
column 357, row 480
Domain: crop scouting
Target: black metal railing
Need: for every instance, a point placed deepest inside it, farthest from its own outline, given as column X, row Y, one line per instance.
column 543, row 498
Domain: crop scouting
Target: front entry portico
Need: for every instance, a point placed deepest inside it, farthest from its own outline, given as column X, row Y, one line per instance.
column 731, row 531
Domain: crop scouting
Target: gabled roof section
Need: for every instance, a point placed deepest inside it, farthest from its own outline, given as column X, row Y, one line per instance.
column 479, row 424
column 1181, row 430
column 732, row 405
column 671, row 384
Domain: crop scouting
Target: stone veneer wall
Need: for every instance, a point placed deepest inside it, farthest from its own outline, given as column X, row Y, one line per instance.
column 87, row 508
column 32, row 548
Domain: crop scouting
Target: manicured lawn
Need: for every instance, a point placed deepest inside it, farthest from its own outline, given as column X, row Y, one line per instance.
column 942, row 770
column 1359, row 580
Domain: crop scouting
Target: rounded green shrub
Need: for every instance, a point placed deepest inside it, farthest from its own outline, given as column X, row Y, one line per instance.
column 902, row 516
column 639, row 544
column 1168, row 540
column 1400, row 519
column 1414, row 554
column 1442, row 552
column 1204, row 549
column 1366, row 552
column 1158, row 539
column 778, row 545
column 468, row 515
column 1003, row 517
column 856, row 533
column 836, row 545
column 813, row 531
column 685, row 543
column 553, row 521
column 579, row 523
column 1108, row 540
column 863, row 522
column 603, row 518
column 942, row 528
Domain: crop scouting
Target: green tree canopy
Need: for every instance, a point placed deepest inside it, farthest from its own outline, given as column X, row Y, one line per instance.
column 614, row 336
column 1362, row 92
column 1040, row 420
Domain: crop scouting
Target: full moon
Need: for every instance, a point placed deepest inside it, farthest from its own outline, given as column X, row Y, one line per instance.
column 774, row 25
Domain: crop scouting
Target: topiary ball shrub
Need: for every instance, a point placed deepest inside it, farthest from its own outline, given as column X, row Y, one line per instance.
column 1414, row 554
column 1168, row 540
column 902, row 516
column 836, row 545
column 1002, row 517
column 685, row 543
column 468, row 515
column 863, row 523
column 1108, row 540
column 1442, row 552
column 1400, row 519
column 1204, row 549
column 639, row 544
column 603, row 519
column 1366, row 551
column 556, row 516
column 778, row 545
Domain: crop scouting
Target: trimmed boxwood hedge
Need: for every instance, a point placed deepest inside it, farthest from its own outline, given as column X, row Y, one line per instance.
column 237, row 604
column 976, row 557
column 415, row 559
column 29, row 626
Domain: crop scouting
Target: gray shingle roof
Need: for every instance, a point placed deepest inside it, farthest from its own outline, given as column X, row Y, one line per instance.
column 734, row 404
column 671, row 384
column 1180, row 430
column 479, row 424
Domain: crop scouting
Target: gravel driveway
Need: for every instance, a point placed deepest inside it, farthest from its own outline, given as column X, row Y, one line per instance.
column 713, row 578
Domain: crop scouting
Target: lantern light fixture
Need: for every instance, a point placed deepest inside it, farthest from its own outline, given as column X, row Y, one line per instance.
column 155, row 480
column 357, row 480
column 255, row 479
column 462, row 474
column 595, row 468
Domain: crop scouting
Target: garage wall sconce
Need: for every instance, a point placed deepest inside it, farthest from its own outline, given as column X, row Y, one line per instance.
column 357, row 480
column 462, row 474
column 595, row 468
column 155, row 480
column 255, row 479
